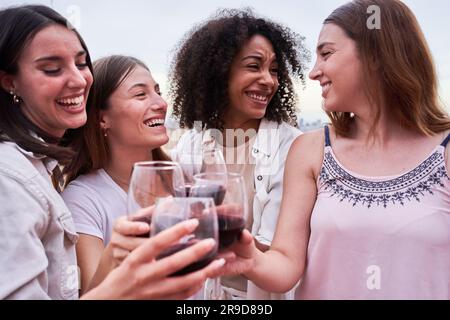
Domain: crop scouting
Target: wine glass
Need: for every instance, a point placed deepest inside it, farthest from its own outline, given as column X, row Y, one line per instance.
column 229, row 194
column 150, row 182
column 170, row 211
column 194, row 161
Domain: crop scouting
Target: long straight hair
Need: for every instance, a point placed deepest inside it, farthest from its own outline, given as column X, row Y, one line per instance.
column 405, row 77
column 18, row 26
column 89, row 143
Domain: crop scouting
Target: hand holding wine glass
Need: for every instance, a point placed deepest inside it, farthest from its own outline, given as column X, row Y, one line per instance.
column 150, row 182
column 171, row 211
column 229, row 194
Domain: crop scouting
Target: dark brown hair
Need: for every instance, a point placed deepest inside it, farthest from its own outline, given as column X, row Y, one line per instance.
column 18, row 26
column 90, row 145
column 404, row 77
column 200, row 71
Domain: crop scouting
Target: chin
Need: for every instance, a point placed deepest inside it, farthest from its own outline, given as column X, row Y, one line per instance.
column 76, row 124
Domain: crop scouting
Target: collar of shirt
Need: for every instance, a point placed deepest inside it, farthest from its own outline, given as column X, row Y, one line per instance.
column 49, row 163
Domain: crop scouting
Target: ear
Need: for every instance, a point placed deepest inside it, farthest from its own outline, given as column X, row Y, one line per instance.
column 105, row 122
column 6, row 81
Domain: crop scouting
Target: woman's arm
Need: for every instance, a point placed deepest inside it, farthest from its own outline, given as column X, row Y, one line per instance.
column 287, row 254
column 140, row 276
column 23, row 222
column 89, row 254
column 96, row 261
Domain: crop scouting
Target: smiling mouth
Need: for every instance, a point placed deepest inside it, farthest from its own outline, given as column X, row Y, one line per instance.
column 153, row 123
column 260, row 98
column 71, row 103
column 325, row 88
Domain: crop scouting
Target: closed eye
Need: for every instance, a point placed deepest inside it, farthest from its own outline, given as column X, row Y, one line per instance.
column 82, row 66
column 51, row 71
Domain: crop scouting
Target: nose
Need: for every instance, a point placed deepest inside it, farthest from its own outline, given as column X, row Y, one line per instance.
column 78, row 79
column 158, row 104
column 315, row 72
column 267, row 78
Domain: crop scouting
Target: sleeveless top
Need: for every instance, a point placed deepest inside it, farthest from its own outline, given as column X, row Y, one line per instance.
column 380, row 237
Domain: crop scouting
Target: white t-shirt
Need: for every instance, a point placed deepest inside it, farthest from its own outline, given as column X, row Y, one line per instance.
column 95, row 202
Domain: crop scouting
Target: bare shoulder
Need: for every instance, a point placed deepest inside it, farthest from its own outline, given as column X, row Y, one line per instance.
column 307, row 150
column 308, row 144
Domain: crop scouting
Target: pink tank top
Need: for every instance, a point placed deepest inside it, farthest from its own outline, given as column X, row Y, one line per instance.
column 380, row 237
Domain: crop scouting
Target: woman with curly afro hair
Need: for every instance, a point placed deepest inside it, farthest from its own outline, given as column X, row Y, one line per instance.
column 232, row 85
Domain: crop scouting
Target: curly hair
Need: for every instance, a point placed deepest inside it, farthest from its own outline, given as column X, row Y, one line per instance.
column 200, row 70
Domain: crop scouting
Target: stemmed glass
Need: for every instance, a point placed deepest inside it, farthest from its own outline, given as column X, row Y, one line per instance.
column 204, row 160
column 170, row 211
column 229, row 194
column 150, row 182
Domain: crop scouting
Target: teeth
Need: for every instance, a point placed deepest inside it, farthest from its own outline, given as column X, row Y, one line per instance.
column 71, row 101
column 153, row 122
column 326, row 85
column 257, row 97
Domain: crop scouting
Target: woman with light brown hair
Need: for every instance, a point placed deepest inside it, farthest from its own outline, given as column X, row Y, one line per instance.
column 366, row 213
column 125, row 124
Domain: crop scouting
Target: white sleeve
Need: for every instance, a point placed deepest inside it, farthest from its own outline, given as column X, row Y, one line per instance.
column 270, row 209
column 84, row 209
column 23, row 260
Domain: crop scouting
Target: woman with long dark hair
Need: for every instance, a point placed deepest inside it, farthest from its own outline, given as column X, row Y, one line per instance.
column 45, row 78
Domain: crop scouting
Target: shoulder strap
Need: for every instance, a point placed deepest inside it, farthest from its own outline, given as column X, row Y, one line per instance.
column 446, row 140
column 327, row 136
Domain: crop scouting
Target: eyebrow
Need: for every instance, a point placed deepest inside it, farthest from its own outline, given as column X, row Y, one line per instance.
column 256, row 57
column 141, row 85
column 252, row 57
column 57, row 58
column 323, row 44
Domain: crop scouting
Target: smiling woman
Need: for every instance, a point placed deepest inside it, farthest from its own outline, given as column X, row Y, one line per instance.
column 125, row 125
column 45, row 76
column 234, row 74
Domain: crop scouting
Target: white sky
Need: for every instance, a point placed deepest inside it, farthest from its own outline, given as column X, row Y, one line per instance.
column 149, row 30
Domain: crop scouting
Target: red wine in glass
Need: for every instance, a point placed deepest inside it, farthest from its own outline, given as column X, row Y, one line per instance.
column 230, row 229
column 215, row 191
column 163, row 222
column 203, row 262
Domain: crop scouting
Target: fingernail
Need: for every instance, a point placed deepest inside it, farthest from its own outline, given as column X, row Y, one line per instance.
column 191, row 224
column 144, row 227
column 210, row 242
column 219, row 262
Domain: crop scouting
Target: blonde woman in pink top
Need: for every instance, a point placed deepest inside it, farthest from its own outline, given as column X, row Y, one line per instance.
column 366, row 205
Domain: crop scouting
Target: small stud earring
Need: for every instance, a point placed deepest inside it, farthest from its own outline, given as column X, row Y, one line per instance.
column 16, row 98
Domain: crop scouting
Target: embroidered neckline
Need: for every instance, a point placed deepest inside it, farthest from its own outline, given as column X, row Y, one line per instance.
column 409, row 186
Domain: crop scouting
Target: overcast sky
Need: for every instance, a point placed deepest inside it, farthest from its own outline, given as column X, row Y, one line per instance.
column 150, row 30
